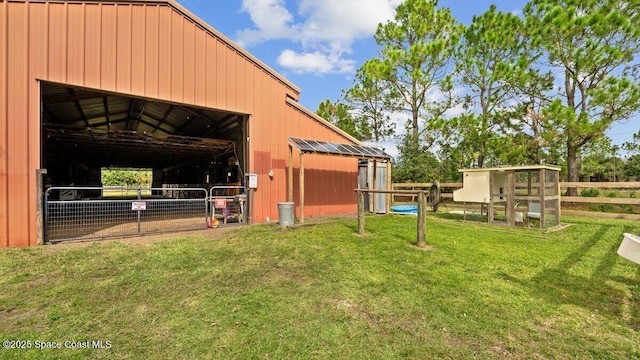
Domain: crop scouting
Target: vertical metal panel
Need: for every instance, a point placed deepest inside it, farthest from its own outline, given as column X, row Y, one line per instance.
column 267, row 140
column 138, row 43
column 164, row 55
column 17, row 129
column 75, row 50
column 189, row 55
column 38, row 51
column 108, row 51
column 58, row 42
column 92, row 46
column 231, row 85
column 211, row 71
column 200, row 66
column 241, row 81
column 152, row 53
column 277, row 140
column 177, row 60
column 250, row 78
column 259, row 119
column 4, row 184
column 221, row 71
column 123, row 48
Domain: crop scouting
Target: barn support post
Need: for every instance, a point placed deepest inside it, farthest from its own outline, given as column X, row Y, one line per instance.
column 361, row 212
column 290, row 177
column 301, row 188
column 422, row 219
column 40, row 206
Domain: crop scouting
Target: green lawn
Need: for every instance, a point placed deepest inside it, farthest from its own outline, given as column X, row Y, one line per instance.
column 125, row 192
column 324, row 292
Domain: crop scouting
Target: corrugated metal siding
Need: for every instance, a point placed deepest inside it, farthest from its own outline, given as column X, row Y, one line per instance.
column 17, row 126
column 4, row 181
column 38, row 49
column 329, row 180
column 151, row 50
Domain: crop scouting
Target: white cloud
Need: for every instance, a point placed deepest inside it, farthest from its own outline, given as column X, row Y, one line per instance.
column 341, row 22
column 324, row 30
column 314, row 62
column 455, row 111
column 272, row 21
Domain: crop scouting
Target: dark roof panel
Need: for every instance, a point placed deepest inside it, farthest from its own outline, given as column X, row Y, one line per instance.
column 331, row 148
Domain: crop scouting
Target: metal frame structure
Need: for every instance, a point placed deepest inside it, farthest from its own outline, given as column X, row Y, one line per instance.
column 315, row 147
column 234, row 199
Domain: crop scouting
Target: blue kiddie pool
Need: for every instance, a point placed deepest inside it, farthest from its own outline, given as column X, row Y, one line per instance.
column 405, row 209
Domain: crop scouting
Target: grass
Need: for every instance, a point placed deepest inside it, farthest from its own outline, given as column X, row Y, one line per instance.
column 323, row 292
column 124, row 192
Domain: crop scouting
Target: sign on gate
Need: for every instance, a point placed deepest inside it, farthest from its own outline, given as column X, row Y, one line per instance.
column 139, row 205
column 221, row 203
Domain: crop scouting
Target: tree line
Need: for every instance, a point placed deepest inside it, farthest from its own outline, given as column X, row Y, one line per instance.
column 541, row 88
column 126, row 177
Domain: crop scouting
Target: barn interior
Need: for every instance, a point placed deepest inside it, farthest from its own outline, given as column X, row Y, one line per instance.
column 84, row 131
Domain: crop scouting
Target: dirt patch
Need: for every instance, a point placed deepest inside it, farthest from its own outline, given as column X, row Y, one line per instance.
column 426, row 248
column 146, row 239
column 216, row 233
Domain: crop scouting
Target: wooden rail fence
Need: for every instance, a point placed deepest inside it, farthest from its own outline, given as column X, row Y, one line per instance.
column 421, row 233
column 448, row 188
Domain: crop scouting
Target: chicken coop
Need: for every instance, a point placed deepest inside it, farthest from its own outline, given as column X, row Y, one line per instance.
column 514, row 195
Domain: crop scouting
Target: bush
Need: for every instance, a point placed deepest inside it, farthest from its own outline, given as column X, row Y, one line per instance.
column 611, row 194
column 604, row 208
column 590, row 192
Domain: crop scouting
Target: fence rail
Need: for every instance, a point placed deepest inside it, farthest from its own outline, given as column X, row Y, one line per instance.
column 566, row 200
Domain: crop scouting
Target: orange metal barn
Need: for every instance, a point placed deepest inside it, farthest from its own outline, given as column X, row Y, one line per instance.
column 148, row 71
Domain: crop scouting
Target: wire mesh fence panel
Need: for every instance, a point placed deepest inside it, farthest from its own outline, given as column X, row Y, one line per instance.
column 67, row 220
column 70, row 215
column 173, row 215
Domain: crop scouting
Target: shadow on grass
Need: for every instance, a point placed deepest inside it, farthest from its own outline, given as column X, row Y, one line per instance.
column 594, row 292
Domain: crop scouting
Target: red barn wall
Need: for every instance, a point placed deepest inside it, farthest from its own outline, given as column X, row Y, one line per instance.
column 156, row 50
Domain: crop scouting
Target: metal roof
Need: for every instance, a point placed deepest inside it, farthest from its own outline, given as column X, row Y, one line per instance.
column 102, row 128
column 515, row 168
column 332, row 148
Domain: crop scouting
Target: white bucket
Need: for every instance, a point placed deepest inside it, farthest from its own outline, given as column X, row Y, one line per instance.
column 630, row 248
column 518, row 217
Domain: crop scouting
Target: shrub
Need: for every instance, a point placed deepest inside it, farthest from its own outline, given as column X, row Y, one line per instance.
column 604, row 207
column 611, row 194
column 590, row 192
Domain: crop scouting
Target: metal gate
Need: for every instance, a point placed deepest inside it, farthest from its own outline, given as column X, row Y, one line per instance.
column 78, row 213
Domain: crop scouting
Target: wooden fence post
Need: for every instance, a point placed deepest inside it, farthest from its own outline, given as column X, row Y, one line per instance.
column 40, row 206
column 422, row 219
column 361, row 212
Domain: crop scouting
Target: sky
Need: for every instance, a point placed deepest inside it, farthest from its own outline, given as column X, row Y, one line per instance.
column 319, row 44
